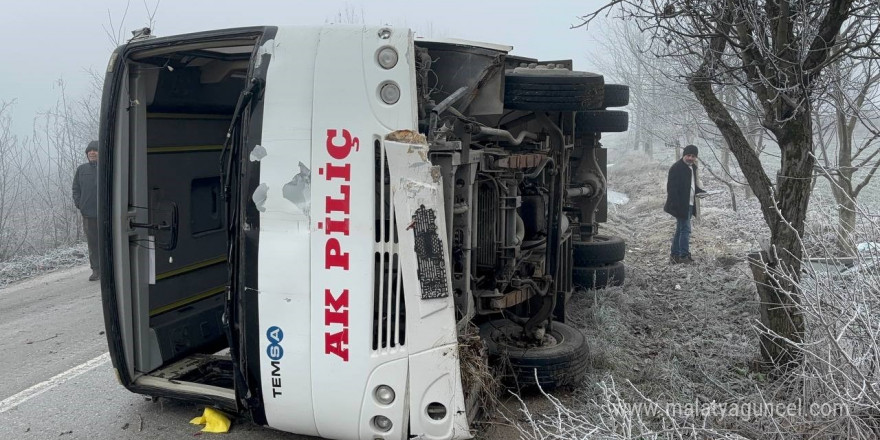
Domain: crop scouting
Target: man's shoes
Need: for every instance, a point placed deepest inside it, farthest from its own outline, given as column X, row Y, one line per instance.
column 94, row 276
column 676, row 259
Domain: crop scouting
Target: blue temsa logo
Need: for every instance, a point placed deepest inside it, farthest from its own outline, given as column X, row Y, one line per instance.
column 274, row 334
column 274, row 350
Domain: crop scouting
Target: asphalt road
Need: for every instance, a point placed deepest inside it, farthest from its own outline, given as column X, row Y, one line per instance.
column 55, row 376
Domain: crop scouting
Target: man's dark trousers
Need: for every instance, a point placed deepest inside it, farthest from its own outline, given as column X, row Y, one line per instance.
column 90, row 227
column 681, row 239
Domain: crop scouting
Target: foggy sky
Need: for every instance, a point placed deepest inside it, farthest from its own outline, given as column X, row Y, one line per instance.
column 49, row 40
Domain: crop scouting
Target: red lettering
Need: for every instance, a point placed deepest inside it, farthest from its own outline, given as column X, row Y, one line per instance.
column 333, row 255
column 339, row 205
column 336, row 312
column 340, row 144
column 331, row 317
column 337, row 172
column 336, row 343
column 341, row 151
column 337, row 226
column 335, row 303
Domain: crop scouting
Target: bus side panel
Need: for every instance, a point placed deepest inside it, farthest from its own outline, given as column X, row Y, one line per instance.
column 284, row 260
column 349, row 119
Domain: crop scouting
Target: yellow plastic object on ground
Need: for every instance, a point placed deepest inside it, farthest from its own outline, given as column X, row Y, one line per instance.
column 214, row 421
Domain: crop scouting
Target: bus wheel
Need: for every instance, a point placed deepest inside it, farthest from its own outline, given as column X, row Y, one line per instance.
column 599, row 277
column 560, row 360
column 600, row 121
column 616, row 95
column 554, row 90
column 600, row 249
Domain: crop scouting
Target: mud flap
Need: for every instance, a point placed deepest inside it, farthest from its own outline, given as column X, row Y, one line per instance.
column 437, row 409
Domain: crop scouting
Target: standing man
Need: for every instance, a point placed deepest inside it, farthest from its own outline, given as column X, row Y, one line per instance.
column 681, row 191
column 85, row 197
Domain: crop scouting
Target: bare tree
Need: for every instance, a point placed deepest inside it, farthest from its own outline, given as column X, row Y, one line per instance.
column 349, row 15
column 849, row 115
column 47, row 162
column 116, row 32
column 660, row 109
column 776, row 53
column 10, row 185
column 36, row 210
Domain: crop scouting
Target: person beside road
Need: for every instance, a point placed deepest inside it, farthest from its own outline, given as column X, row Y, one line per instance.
column 681, row 193
column 85, row 197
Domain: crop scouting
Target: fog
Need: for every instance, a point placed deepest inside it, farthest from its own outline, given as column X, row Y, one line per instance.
column 54, row 42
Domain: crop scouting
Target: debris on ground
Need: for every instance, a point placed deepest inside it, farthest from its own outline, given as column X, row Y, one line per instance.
column 214, row 421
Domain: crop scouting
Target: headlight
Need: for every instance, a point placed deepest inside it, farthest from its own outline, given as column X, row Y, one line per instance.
column 389, row 92
column 387, row 57
column 384, row 394
column 382, row 423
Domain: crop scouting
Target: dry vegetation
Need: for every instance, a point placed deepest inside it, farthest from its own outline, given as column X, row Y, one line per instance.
column 677, row 341
column 37, row 214
column 28, row 266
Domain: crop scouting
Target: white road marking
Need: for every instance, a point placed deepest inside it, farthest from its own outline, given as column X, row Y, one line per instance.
column 59, row 379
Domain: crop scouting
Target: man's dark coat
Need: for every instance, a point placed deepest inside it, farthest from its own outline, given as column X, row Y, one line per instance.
column 678, row 189
column 85, row 189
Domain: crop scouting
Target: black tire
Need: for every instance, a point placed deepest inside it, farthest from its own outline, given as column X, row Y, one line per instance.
column 616, row 95
column 599, row 277
column 549, row 90
column 549, row 77
column 603, row 249
column 601, row 121
column 557, row 94
column 563, row 364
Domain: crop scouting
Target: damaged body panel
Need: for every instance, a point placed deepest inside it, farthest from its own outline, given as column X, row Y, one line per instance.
column 417, row 195
column 300, row 222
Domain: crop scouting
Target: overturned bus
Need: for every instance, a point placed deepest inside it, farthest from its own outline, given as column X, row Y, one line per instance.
column 298, row 222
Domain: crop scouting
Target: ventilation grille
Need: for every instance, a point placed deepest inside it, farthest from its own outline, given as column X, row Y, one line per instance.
column 487, row 223
column 389, row 311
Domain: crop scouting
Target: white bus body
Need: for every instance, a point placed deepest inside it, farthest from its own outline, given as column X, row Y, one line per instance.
column 281, row 238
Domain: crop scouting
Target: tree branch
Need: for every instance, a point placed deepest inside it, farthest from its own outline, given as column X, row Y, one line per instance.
column 700, row 84
column 826, row 37
column 867, row 179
